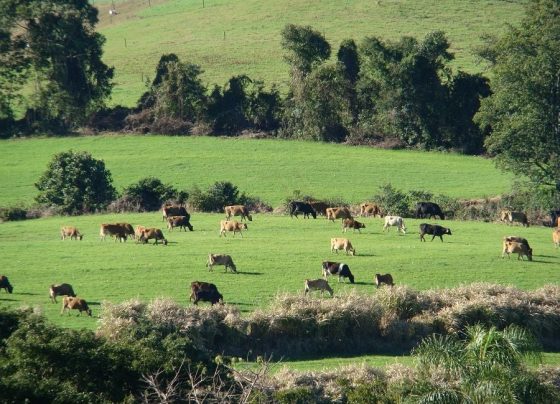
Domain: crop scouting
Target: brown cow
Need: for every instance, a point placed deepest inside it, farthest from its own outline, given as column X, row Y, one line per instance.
column 320, row 207
column 173, row 210
column 75, row 303
column 70, row 231
column 370, row 209
column 5, row 284
column 510, row 216
column 197, row 286
column 233, row 225
column 342, row 244
column 556, row 237
column 138, row 231
column 521, row 249
column 118, row 230
column 237, row 210
column 152, row 233
column 352, row 224
column 338, row 213
column 317, row 284
column 386, row 279
column 182, row 222
column 63, row 289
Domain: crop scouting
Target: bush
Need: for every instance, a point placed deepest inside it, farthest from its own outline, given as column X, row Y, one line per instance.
column 149, row 194
column 217, row 196
column 75, row 183
column 13, row 213
column 392, row 201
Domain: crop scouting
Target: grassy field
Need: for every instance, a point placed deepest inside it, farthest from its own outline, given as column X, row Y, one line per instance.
column 231, row 37
column 269, row 169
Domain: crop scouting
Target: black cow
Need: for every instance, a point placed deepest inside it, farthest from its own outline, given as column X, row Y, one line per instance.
column 212, row 296
column 434, row 230
column 337, row 268
column 302, row 207
column 5, row 284
column 427, row 210
column 554, row 216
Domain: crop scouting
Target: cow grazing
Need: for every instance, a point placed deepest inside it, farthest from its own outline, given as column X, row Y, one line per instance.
column 428, row 210
column 370, row 209
column 208, row 295
column 555, row 218
column 338, row 213
column 120, row 231
column 75, row 303
column 5, row 284
column 386, row 279
column 521, row 249
column 319, row 207
column 394, row 221
column 237, row 210
column 221, row 259
column 302, row 207
column 317, row 284
column 173, row 210
column 233, row 226
column 63, row 289
column 342, row 244
column 434, row 230
column 138, row 231
column 197, row 286
column 70, row 231
column 152, row 233
column 556, row 237
column 182, row 222
column 352, row 224
column 510, row 216
column 337, row 268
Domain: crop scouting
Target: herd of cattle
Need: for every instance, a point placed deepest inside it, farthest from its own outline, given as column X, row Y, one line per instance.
column 178, row 217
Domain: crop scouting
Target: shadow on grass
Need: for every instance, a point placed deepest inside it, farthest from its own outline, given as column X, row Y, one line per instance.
column 28, row 293
column 8, row 300
column 249, row 273
column 364, row 283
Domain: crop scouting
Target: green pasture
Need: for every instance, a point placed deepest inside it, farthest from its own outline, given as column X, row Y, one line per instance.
column 276, row 255
column 233, row 37
column 269, row 169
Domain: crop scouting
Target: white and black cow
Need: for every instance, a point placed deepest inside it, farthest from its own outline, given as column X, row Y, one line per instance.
column 337, row 268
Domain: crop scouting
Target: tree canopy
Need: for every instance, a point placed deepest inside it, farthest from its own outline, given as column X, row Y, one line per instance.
column 523, row 112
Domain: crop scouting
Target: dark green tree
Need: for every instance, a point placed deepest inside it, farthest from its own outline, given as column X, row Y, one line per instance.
column 75, row 183
column 305, row 48
column 523, row 112
column 54, row 43
column 150, row 193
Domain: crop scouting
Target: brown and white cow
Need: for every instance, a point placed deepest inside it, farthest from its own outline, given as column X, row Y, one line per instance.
column 352, row 224
column 138, row 231
column 394, row 221
column 342, row 244
column 338, row 213
column 386, row 279
column 221, row 259
column 120, row 231
column 317, row 284
column 510, row 216
column 516, row 247
column 182, row 222
column 63, row 289
column 75, row 303
column 370, row 209
column 152, row 233
column 556, row 237
column 237, row 210
column 233, row 226
column 70, row 231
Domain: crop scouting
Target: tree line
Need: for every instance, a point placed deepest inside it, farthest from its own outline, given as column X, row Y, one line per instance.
column 402, row 93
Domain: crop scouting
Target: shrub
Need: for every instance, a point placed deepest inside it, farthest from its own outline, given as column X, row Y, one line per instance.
column 75, row 182
column 13, row 213
column 217, row 196
column 392, row 201
column 300, row 395
column 149, row 193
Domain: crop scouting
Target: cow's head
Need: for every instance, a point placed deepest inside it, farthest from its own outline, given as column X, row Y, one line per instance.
column 244, row 226
column 250, row 218
column 10, row 288
column 448, row 231
column 81, row 236
column 164, row 241
column 314, row 214
column 530, row 254
column 88, row 311
column 351, row 277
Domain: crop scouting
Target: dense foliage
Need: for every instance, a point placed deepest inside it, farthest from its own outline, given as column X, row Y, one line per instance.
column 218, row 195
column 150, row 193
column 74, row 183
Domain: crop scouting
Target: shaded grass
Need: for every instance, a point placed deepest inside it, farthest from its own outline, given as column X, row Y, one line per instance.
column 232, row 37
column 269, row 169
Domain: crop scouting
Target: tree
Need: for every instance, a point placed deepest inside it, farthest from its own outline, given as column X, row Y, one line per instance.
column 306, row 48
column 54, row 42
column 150, row 193
column 486, row 366
column 75, row 182
column 523, row 112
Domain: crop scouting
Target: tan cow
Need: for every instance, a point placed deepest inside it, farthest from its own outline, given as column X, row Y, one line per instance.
column 233, row 226
column 63, row 289
column 352, row 224
column 118, row 230
column 70, row 231
column 317, row 284
column 338, row 213
column 237, row 210
column 370, row 209
column 521, row 249
column 152, row 233
column 394, row 221
column 510, row 216
column 342, row 244
column 221, row 259
column 75, row 303
column 386, row 279
column 138, row 231
column 556, row 237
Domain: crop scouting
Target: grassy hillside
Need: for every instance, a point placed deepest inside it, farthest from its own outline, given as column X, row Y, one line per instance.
column 231, row 37
column 269, row 169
